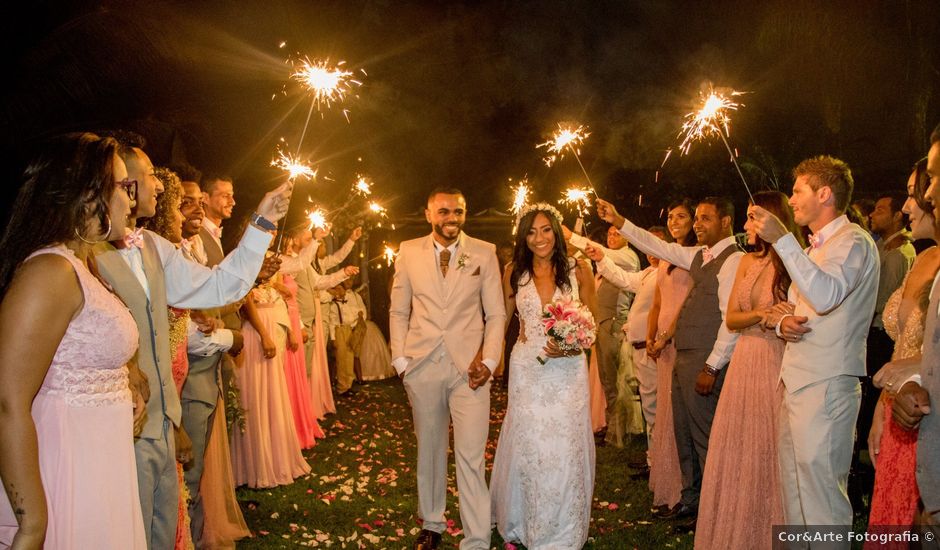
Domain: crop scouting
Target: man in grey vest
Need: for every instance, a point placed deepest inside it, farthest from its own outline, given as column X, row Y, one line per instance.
column 703, row 342
column 613, row 305
column 917, row 397
column 148, row 273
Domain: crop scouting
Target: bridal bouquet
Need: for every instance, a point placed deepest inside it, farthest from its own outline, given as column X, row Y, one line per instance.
column 569, row 323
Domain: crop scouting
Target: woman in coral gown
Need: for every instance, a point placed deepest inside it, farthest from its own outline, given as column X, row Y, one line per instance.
column 295, row 370
column 741, row 498
column 893, row 450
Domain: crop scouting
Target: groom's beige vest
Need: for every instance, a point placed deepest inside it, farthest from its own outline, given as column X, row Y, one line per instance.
column 461, row 312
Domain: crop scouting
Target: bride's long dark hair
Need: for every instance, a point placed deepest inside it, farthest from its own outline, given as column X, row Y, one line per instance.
column 522, row 257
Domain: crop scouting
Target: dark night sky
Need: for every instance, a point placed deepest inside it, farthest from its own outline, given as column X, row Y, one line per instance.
column 459, row 93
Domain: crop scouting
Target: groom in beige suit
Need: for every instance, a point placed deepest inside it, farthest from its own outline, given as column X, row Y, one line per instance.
column 447, row 320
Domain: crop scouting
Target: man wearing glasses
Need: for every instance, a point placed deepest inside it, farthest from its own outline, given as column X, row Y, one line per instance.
column 149, row 273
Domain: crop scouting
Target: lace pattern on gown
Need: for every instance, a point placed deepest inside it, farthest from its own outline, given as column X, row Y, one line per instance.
column 83, row 371
column 909, row 336
column 544, row 474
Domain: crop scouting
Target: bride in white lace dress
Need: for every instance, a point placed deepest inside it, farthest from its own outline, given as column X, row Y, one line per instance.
column 543, row 473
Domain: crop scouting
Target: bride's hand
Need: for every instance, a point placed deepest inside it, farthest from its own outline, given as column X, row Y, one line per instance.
column 553, row 350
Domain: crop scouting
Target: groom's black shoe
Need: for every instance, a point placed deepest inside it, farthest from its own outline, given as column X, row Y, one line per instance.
column 427, row 540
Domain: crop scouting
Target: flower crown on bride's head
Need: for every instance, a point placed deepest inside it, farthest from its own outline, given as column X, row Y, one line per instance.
column 540, row 207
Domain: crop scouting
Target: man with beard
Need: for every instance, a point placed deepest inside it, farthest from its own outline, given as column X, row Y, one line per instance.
column 703, row 342
column 447, row 319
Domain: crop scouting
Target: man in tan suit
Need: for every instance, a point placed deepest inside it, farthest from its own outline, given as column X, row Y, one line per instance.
column 447, row 319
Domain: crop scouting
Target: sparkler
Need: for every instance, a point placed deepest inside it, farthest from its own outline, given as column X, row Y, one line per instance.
column 572, row 138
column 292, row 166
column 712, row 118
column 378, row 209
column 317, row 219
column 389, row 255
column 363, row 186
column 577, row 198
column 520, row 194
column 327, row 83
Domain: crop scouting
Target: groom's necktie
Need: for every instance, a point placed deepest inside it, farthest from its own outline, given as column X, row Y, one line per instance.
column 445, row 261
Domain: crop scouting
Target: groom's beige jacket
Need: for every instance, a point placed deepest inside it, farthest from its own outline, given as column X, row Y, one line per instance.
column 463, row 312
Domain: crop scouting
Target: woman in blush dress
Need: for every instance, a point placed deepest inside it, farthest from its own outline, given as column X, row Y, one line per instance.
column 741, row 498
column 543, row 472
column 893, row 450
column 672, row 287
column 267, row 453
column 66, row 407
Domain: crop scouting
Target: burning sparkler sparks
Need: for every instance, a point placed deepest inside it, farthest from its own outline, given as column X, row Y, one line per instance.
column 327, row 83
column 565, row 136
column 712, row 118
column 520, row 196
column 317, row 219
column 363, row 186
column 378, row 209
column 577, row 198
column 390, row 255
column 293, row 166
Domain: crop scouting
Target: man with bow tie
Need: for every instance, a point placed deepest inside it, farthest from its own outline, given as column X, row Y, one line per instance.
column 344, row 312
column 149, row 273
column 703, row 342
column 831, row 303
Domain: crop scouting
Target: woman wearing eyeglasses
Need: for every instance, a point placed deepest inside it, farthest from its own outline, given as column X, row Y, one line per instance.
column 66, row 447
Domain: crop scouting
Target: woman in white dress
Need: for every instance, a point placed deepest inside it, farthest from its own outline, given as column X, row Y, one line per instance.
column 543, row 473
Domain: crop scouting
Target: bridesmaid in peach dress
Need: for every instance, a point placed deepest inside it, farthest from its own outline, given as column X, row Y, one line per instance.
column 66, row 446
column 741, row 498
column 672, row 287
column 267, row 453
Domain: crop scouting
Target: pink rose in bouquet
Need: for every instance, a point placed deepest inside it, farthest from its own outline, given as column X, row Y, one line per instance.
column 569, row 323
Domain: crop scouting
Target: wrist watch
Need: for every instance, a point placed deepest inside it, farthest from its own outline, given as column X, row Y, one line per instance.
column 711, row 371
column 262, row 222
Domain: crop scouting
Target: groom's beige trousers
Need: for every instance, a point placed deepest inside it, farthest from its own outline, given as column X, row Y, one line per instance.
column 439, row 394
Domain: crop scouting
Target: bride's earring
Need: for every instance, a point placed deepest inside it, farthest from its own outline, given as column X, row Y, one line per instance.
column 106, row 233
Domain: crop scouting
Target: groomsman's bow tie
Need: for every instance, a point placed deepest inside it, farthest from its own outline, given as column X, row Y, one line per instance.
column 134, row 238
column 707, row 255
column 815, row 241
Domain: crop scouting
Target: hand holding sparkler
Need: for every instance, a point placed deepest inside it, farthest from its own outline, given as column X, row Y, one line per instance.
column 608, row 213
column 768, row 226
column 595, row 253
column 274, row 205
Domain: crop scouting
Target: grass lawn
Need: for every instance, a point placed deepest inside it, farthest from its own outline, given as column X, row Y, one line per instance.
column 362, row 491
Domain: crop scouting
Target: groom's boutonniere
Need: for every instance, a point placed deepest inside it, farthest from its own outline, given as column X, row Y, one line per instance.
column 462, row 260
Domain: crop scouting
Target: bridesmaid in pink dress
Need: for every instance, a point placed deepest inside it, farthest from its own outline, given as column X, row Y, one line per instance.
column 66, row 447
column 741, row 498
column 295, row 369
column 267, row 453
column 672, row 287
column 894, row 449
